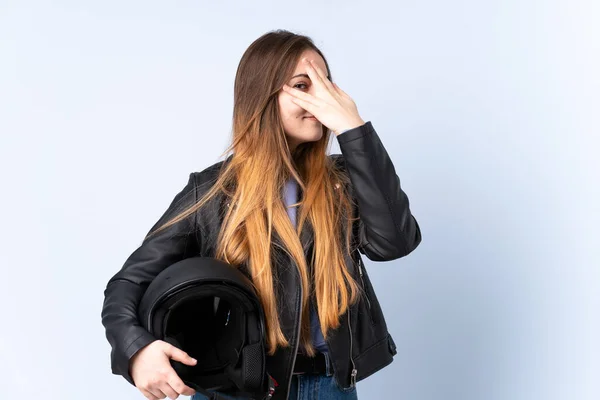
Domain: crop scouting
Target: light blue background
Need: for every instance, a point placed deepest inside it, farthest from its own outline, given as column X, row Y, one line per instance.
column 489, row 110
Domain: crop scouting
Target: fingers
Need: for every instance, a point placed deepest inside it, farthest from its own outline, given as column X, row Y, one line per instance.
column 152, row 395
column 321, row 76
column 148, row 395
column 170, row 387
column 299, row 94
column 155, row 377
column 168, row 390
column 180, row 355
column 177, row 384
column 174, row 380
column 337, row 92
column 340, row 91
column 305, row 104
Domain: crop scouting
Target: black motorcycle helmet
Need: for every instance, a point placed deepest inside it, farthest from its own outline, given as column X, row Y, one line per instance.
column 210, row 310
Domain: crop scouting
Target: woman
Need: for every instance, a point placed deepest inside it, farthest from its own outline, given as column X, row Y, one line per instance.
column 294, row 220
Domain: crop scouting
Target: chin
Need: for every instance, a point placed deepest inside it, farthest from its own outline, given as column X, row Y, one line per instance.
column 313, row 136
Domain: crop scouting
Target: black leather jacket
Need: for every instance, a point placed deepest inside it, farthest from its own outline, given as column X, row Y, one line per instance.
column 386, row 231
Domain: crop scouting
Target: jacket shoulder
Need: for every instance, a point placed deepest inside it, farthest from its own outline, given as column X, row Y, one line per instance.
column 208, row 174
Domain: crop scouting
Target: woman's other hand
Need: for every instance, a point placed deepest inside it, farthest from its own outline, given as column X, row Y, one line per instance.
column 153, row 374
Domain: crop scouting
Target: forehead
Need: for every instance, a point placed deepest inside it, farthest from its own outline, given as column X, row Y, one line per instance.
column 310, row 55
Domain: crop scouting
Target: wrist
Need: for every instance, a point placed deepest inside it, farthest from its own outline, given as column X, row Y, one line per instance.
column 352, row 125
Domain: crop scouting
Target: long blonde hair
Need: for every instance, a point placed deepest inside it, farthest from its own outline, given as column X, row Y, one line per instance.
column 254, row 180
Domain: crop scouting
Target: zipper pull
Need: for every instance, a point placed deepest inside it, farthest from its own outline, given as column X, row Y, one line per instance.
column 353, row 377
column 360, row 271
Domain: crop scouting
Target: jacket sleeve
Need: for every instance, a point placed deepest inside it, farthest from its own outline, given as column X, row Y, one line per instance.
column 386, row 229
column 125, row 289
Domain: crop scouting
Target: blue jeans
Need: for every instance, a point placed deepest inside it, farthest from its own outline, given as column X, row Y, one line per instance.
column 322, row 387
column 310, row 387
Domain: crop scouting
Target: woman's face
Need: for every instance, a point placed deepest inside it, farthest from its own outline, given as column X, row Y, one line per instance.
column 298, row 128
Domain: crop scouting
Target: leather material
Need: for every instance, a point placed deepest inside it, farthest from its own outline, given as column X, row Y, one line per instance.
column 310, row 365
column 227, row 338
column 386, row 231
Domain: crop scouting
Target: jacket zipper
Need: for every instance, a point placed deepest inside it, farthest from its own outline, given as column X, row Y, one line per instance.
column 297, row 341
column 354, row 371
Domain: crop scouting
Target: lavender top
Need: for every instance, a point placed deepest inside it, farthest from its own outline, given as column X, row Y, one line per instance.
column 291, row 196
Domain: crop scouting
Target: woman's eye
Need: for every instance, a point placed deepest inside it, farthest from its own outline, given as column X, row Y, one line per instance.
column 301, row 84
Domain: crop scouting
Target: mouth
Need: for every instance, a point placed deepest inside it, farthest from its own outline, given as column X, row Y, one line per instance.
column 311, row 118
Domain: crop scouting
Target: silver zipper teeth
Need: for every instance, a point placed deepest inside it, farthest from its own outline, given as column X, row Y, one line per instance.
column 354, row 370
column 297, row 342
